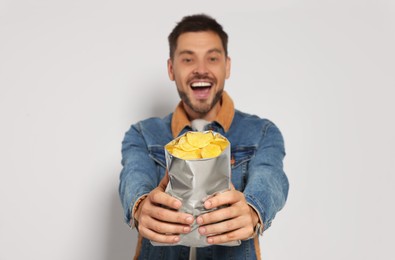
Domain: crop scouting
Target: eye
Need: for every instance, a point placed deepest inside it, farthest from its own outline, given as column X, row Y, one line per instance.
column 213, row 59
column 187, row 60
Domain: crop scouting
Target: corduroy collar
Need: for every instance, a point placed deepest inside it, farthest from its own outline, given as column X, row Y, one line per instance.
column 224, row 117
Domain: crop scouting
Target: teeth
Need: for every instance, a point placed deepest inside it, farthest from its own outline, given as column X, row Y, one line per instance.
column 201, row 84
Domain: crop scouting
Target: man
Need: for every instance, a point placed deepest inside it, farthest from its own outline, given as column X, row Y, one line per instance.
column 199, row 65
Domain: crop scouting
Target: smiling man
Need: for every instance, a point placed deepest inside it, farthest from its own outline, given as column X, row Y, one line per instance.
column 199, row 64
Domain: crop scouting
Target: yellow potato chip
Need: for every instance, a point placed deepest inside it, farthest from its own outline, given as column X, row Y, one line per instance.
column 211, row 150
column 199, row 139
column 197, row 145
column 221, row 142
column 169, row 148
column 186, row 155
column 184, row 145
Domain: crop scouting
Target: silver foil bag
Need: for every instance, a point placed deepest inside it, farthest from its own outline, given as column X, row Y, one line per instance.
column 193, row 182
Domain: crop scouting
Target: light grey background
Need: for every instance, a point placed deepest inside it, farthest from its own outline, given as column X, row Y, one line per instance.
column 75, row 74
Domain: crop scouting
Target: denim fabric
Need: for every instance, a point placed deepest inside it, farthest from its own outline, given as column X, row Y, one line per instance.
column 257, row 152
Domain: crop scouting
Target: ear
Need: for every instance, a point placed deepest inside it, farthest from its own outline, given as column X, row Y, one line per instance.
column 228, row 63
column 170, row 70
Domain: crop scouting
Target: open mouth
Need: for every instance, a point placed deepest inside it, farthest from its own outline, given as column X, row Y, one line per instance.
column 201, row 85
column 201, row 88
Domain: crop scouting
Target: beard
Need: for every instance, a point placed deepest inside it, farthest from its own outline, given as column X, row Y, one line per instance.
column 202, row 108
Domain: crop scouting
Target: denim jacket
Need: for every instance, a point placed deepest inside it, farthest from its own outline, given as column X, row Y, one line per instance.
column 257, row 152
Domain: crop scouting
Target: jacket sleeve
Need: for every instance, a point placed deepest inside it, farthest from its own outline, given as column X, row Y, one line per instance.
column 139, row 175
column 267, row 185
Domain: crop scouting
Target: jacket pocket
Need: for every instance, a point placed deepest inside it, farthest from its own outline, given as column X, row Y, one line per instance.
column 241, row 154
column 240, row 157
column 157, row 153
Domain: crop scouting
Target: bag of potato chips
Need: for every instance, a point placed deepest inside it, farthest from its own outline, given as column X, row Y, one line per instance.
column 198, row 164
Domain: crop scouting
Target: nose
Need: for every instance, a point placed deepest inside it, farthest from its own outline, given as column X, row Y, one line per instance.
column 200, row 68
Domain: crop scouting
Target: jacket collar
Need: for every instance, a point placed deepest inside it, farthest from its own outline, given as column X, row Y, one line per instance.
column 224, row 117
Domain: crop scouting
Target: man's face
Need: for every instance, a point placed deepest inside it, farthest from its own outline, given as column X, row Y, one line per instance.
column 199, row 69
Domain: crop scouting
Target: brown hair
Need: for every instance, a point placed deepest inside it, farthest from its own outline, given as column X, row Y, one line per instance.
column 197, row 23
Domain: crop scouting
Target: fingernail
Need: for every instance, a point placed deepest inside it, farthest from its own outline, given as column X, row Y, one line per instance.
column 177, row 204
column 189, row 219
column 176, row 239
column 210, row 240
column 199, row 220
column 207, row 204
column 202, row 230
column 187, row 229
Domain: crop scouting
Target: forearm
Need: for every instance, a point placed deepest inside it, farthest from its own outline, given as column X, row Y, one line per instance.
column 133, row 186
column 267, row 185
column 269, row 199
column 139, row 174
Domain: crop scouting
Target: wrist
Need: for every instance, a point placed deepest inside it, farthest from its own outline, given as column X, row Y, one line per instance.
column 256, row 222
column 256, row 225
column 136, row 210
column 254, row 216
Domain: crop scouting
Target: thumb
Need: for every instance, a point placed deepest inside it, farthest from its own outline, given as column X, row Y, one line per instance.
column 163, row 183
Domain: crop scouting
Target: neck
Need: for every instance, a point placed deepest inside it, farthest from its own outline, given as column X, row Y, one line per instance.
column 209, row 116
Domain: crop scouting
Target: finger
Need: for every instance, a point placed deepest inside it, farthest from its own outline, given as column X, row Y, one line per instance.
column 171, row 216
column 238, row 234
column 156, row 211
column 221, row 227
column 224, row 198
column 157, row 237
column 218, row 215
column 165, row 227
column 160, row 197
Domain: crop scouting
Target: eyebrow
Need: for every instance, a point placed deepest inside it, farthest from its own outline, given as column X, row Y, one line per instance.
column 216, row 50
column 185, row 52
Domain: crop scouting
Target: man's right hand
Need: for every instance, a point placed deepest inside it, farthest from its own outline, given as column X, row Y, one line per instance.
column 162, row 224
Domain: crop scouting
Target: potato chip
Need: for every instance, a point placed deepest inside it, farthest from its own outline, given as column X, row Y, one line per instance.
column 186, row 155
column 170, row 146
column 184, row 145
column 211, row 150
column 221, row 142
column 199, row 139
column 197, row 145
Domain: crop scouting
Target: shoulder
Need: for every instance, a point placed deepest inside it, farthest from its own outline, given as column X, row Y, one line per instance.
column 155, row 123
column 250, row 121
column 153, row 129
column 251, row 128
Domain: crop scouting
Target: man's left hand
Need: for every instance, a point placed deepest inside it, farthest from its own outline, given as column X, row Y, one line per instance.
column 236, row 222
